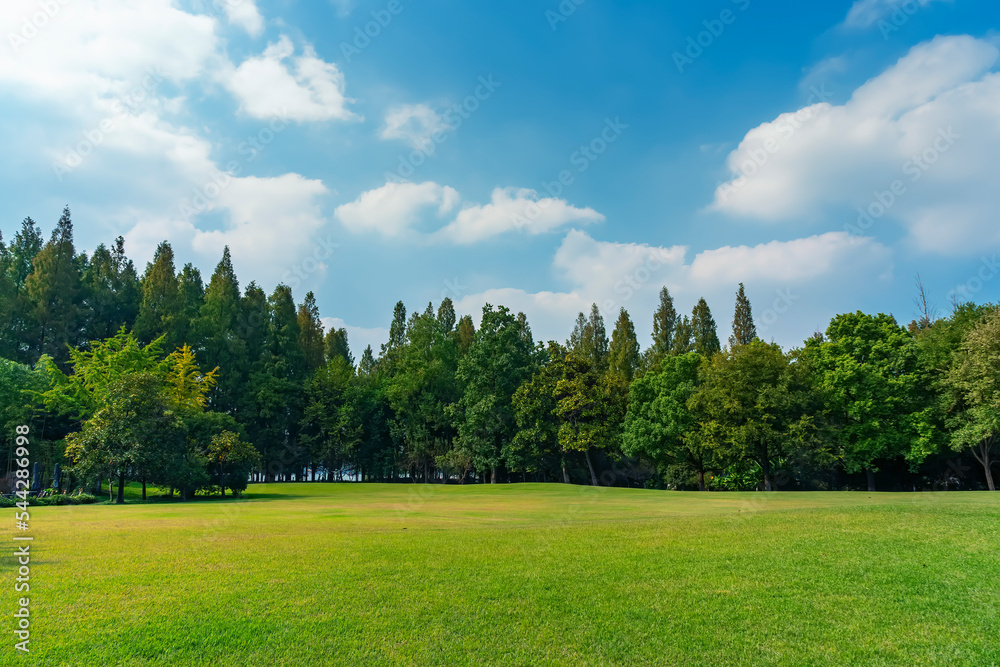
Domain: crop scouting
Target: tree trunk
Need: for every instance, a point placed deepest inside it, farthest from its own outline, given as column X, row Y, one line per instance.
column 493, row 476
column 983, row 456
column 565, row 472
column 143, row 488
column 871, row 479
column 765, row 466
column 222, row 479
column 593, row 477
column 121, row 489
column 701, row 480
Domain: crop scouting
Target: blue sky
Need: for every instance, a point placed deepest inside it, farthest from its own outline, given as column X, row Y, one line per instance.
column 823, row 154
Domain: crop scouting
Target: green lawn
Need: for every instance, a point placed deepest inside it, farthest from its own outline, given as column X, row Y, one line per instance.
column 522, row 574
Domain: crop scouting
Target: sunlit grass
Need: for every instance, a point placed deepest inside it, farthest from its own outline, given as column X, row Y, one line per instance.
column 517, row 574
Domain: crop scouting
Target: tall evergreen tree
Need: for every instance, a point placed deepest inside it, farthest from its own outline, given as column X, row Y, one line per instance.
column 21, row 337
column 336, row 345
column 706, row 338
column 311, row 333
column 623, row 355
column 220, row 337
column 465, row 333
column 24, row 248
column 665, row 321
column 589, row 339
column 446, row 315
column 683, row 337
column 744, row 330
column 191, row 295
column 397, row 330
column 161, row 308
column 54, row 292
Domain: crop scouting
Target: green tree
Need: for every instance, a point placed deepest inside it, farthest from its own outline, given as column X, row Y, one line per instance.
column 423, row 385
column 744, row 330
column 233, row 460
column 703, row 330
column 755, row 404
column 116, row 441
column 589, row 340
column 660, row 426
column 311, row 333
column 446, row 315
column 868, row 369
column 161, row 309
column 54, row 293
column 498, row 361
column 683, row 337
column 111, row 292
column 465, row 334
column 336, row 345
column 623, row 354
column 975, row 379
column 217, row 328
column 665, row 322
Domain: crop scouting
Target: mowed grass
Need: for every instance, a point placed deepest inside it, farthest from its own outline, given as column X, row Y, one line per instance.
column 522, row 574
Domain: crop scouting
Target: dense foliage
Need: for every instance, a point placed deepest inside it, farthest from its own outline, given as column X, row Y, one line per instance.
column 161, row 378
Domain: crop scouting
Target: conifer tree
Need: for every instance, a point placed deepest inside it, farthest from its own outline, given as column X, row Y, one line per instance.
column 54, row 292
column 220, row 337
column 744, row 330
column 446, row 315
column 623, row 355
column 664, row 325
column 336, row 345
column 311, row 333
column 161, row 305
column 683, row 337
column 466, row 332
column 706, row 338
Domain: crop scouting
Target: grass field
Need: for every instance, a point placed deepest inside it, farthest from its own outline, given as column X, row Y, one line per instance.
column 519, row 574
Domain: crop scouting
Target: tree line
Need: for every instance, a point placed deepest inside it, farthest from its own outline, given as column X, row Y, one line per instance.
column 161, row 378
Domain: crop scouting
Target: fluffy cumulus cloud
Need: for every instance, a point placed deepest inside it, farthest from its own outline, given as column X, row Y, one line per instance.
column 916, row 145
column 865, row 13
column 245, row 14
column 302, row 88
column 115, row 72
column 396, row 209
column 419, row 125
column 515, row 209
column 795, row 285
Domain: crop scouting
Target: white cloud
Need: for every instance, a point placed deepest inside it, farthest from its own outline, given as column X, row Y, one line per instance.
column 245, row 14
column 515, row 209
column 795, row 286
column 394, row 208
column 930, row 124
column 358, row 337
column 416, row 124
column 304, row 89
column 865, row 13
